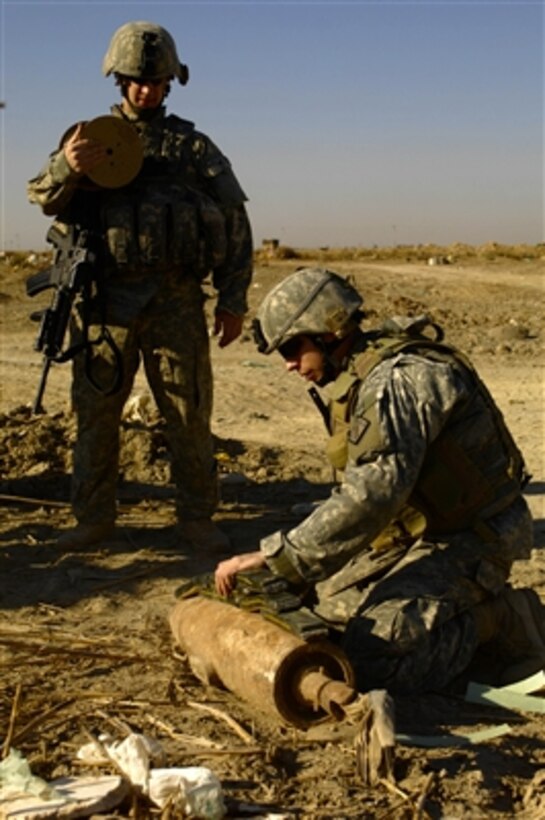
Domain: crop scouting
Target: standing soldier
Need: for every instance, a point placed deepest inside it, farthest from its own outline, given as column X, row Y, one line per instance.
column 179, row 218
column 408, row 560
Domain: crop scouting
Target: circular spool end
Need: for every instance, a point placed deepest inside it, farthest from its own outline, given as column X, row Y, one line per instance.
column 124, row 151
column 313, row 684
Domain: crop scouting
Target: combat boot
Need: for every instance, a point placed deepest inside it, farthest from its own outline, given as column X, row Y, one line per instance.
column 85, row 535
column 203, row 534
column 514, row 623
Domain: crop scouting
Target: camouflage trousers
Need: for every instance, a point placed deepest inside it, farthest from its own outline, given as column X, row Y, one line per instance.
column 412, row 630
column 172, row 342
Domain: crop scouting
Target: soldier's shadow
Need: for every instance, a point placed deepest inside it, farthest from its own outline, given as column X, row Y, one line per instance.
column 34, row 571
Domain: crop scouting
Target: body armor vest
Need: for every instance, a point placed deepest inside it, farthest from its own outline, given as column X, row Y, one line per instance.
column 459, row 487
column 163, row 220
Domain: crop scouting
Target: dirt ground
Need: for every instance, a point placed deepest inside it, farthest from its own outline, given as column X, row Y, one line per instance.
column 85, row 644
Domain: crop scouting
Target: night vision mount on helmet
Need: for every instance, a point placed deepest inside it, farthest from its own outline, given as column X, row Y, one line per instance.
column 144, row 51
column 310, row 302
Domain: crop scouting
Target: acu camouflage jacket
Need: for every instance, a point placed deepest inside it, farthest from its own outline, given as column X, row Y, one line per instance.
column 425, row 452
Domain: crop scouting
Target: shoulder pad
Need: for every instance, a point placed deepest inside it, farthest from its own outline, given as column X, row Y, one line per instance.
column 217, row 173
column 179, row 125
column 224, row 185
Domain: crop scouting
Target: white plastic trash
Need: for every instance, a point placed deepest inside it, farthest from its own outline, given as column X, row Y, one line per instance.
column 195, row 790
column 16, row 778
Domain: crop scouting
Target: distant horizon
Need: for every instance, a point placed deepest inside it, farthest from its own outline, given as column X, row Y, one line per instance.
column 258, row 244
column 307, row 249
column 42, row 245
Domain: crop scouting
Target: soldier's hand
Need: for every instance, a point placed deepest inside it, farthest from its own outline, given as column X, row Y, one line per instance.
column 226, row 571
column 227, row 326
column 83, row 154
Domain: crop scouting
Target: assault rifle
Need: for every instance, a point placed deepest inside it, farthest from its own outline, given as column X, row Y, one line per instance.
column 75, row 271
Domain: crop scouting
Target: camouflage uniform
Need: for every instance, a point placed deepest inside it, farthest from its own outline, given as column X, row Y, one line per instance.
column 154, row 300
column 427, row 520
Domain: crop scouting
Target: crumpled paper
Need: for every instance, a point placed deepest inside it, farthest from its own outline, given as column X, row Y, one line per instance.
column 193, row 790
column 133, row 756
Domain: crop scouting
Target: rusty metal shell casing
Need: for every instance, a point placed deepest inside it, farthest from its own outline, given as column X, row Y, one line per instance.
column 264, row 664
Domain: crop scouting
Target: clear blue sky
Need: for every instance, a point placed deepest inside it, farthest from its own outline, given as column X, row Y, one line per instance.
column 347, row 123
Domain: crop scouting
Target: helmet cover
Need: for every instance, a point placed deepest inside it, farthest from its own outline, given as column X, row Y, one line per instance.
column 309, row 302
column 145, row 51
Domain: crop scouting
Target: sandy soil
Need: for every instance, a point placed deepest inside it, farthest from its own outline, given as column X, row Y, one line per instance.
column 84, row 639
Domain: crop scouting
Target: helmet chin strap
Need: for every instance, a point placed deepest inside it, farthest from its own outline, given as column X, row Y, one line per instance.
column 332, row 367
column 333, row 361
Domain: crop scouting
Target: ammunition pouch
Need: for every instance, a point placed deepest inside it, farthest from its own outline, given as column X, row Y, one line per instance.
column 264, row 594
column 154, row 224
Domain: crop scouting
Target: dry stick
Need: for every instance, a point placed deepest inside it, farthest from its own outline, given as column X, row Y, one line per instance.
column 41, row 502
column 12, row 718
column 237, row 728
column 37, row 721
column 390, row 811
column 110, row 700
column 399, row 793
column 348, row 811
column 175, row 735
column 116, row 722
column 56, row 635
column 40, row 719
column 51, row 609
column 208, row 747
column 44, row 649
column 394, row 789
column 226, row 750
column 53, row 632
column 44, row 502
column 419, row 807
column 113, row 700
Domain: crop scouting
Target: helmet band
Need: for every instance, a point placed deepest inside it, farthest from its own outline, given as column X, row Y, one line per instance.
column 301, row 309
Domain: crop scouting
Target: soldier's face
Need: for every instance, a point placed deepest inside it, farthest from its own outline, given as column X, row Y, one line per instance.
column 145, row 94
column 304, row 357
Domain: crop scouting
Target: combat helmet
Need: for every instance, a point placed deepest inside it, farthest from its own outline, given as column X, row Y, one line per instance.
column 143, row 50
column 310, row 302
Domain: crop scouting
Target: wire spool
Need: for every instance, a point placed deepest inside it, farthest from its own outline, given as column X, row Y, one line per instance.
column 124, row 151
